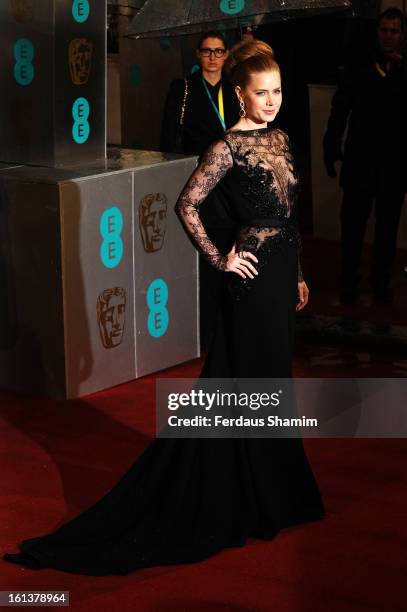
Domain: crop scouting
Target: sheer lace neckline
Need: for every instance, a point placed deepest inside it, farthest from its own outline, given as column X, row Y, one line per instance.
column 255, row 131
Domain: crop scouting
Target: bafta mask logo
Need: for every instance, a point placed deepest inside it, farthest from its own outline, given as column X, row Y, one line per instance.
column 22, row 9
column 80, row 60
column 153, row 221
column 111, row 312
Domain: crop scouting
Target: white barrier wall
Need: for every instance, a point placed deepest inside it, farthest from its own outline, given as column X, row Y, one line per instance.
column 99, row 280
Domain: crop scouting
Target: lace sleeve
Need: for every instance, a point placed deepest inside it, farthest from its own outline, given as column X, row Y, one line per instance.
column 300, row 276
column 214, row 164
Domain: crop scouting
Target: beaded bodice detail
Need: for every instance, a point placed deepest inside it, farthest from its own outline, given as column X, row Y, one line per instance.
column 266, row 160
column 256, row 170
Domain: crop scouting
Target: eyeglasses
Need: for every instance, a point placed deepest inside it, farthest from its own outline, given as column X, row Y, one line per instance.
column 218, row 52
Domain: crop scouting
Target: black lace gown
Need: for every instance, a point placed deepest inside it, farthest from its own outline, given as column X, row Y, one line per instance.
column 184, row 500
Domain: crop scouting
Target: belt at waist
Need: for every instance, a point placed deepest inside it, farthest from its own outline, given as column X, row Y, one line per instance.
column 269, row 222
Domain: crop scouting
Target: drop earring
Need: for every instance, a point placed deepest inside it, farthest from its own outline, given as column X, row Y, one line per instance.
column 242, row 112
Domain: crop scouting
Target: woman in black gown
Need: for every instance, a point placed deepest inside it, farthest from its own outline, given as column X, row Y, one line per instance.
column 186, row 499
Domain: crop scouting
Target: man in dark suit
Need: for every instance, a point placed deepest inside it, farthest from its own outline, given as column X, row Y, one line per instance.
column 211, row 107
column 372, row 94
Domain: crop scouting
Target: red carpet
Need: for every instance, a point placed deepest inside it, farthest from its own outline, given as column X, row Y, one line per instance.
column 59, row 457
column 323, row 282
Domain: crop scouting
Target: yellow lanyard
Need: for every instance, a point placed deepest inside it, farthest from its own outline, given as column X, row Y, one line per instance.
column 219, row 111
column 380, row 70
column 220, row 103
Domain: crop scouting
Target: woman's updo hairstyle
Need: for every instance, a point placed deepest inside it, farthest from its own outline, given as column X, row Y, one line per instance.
column 246, row 58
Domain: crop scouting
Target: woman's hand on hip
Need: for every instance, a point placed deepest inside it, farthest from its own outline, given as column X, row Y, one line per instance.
column 303, row 293
column 240, row 263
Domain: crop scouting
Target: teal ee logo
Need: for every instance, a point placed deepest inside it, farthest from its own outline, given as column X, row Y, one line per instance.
column 111, row 227
column 165, row 43
column 80, row 10
column 80, row 115
column 135, row 74
column 157, row 298
column 24, row 55
column 231, row 7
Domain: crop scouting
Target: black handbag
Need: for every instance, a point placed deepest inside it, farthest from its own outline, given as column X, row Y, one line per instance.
column 179, row 138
